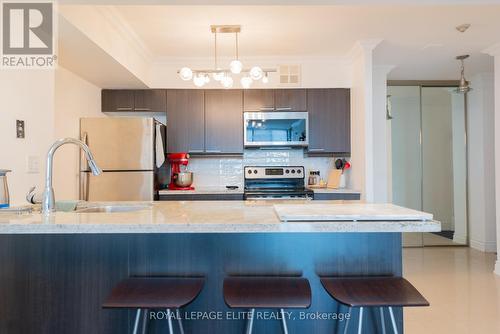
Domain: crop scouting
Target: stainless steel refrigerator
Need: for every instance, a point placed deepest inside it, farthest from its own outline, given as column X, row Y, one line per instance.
column 125, row 148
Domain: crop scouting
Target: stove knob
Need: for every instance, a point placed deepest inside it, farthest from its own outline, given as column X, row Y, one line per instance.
column 287, row 171
column 249, row 171
column 255, row 171
column 299, row 171
column 293, row 171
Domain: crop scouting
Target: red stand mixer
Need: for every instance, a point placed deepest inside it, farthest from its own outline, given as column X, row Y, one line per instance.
column 180, row 178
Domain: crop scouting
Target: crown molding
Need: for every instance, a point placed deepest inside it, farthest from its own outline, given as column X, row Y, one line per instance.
column 113, row 16
column 493, row 50
column 363, row 46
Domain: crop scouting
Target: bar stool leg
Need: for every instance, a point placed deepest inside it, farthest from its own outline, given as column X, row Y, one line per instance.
column 394, row 327
column 347, row 321
column 360, row 323
column 170, row 326
column 382, row 320
column 144, row 320
column 180, row 321
column 250, row 322
column 136, row 323
column 283, row 321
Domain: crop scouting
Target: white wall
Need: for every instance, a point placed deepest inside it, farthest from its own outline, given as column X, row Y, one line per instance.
column 481, row 173
column 316, row 72
column 26, row 95
column 74, row 98
column 362, row 146
column 381, row 149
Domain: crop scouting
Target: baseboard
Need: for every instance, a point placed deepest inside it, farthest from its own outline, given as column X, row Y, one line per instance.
column 497, row 267
column 460, row 239
column 487, row 247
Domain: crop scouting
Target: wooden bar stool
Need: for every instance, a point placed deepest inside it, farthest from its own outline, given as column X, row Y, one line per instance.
column 381, row 292
column 268, row 292
column 143, row 293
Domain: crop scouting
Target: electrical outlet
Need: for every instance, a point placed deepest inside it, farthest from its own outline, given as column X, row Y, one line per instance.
column 20, row 129
column 33, row 164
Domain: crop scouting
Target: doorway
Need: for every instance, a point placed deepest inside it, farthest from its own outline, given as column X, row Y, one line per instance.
column 429, row 165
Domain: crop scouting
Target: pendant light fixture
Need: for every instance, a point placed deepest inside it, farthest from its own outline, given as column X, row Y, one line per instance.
column 223, row 75
column 463, row 86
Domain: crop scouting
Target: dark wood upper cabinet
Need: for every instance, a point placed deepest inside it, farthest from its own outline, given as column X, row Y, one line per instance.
column 142, row 100
column 117, row 100
column 258, row 99
column 185, row 120
column 329, row 120
column 150, row 100
column 223, row 121
column 290, row 99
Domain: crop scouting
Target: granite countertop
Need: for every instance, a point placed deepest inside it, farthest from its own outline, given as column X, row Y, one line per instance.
column 202, row 191
column 209, row 217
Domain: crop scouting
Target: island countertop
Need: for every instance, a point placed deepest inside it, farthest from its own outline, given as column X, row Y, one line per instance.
column 223, row 217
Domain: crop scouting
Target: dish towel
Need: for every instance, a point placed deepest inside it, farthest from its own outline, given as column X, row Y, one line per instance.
column 160, row 150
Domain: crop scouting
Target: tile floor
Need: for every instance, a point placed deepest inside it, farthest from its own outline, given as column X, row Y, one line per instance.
column 461, row 287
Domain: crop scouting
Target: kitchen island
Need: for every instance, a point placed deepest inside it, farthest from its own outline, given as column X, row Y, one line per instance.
column 56, row 270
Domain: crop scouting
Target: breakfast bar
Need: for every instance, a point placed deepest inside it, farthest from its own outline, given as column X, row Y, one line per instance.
column 59, row 268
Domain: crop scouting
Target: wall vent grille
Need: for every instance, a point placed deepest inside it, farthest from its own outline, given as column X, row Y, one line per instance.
column 289, row 75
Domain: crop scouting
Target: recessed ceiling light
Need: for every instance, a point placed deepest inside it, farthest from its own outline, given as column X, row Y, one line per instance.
column 463, row 27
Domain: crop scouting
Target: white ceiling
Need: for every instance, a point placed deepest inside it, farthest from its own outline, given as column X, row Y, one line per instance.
column 420, row 40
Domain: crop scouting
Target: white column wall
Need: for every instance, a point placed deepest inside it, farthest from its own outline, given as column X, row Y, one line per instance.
column 481, row 165
column 495, row 52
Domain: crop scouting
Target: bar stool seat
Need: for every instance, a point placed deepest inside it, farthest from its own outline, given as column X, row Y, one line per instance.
column 379, row 292
column 267, row 292
column 143, row 293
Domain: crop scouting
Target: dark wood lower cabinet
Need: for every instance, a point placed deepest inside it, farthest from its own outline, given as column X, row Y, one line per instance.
column 56, row 283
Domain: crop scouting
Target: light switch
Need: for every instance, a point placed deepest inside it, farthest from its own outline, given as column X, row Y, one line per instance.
column 33, row 164
column 20, row 132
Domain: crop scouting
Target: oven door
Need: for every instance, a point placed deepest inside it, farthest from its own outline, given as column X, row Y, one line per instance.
column 275, row 128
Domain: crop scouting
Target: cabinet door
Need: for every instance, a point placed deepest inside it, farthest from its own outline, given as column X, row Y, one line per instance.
column 150, row 100
column 223, row 121
column 329, row 120
column 185, row 121
column 117, row 100
column 290, row 99
column 258, row 99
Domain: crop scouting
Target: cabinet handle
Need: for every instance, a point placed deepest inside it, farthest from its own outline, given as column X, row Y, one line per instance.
column 315, row 149
column 143, row 109
column 196, row 151
column 124, row 109
column 213, row 151
column 266, row 108
column 284, row 108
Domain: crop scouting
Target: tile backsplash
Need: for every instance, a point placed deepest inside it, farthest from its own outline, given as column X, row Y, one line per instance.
column 222, row 171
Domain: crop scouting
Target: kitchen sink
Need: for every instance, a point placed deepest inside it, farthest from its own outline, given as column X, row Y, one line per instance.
column 112, row 208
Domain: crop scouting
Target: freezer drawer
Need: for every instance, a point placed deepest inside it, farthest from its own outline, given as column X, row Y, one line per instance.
column 117, row 186
column 119, row 143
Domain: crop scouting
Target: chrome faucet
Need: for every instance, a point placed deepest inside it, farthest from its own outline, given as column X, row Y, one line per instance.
column 48, row 202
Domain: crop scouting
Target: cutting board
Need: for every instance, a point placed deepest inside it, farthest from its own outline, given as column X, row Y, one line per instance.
column 348, row 212
column 334, row 178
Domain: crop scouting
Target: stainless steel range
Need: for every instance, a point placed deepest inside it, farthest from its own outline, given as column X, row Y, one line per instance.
column 276, row 183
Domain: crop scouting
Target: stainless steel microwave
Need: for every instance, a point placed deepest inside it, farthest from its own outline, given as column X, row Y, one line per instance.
column 276, row 128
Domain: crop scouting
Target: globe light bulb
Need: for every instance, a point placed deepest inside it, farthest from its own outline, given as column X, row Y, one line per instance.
column 186, row 73
column 256, row 73
column 227, row 82
column 246, row 82
column 206, row 77
column 236, row 66
column 199, row 80
column 265, row 79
